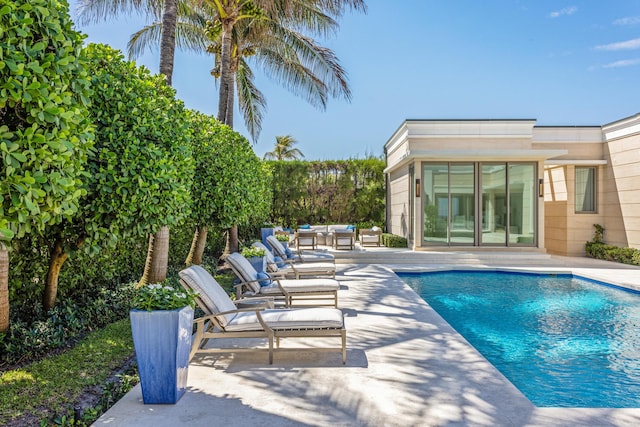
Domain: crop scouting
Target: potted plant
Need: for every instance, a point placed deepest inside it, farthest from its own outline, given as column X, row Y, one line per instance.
column 256, row 256
column 161, row 325
column 284, row 239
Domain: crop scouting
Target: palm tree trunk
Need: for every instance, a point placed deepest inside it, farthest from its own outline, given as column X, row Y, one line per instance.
column 168, row 38
column 230, row 99
column 159, row 256
column 226, row 84
column 57, row 258
column 4, row 288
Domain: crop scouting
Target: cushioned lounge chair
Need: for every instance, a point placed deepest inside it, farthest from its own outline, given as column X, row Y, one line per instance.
column 288, row 269
column 300, row 256
column 222, row 319
column 302, row 290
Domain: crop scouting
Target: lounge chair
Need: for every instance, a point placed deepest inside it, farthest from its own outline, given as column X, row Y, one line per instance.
column 298, row 271
column 305, row 290
column 300, row 256
column 223, row 319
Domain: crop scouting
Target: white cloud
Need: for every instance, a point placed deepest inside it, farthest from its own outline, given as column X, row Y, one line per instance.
column 623, row 63
column 566, row 11
column 629, row 20
column 625, row 45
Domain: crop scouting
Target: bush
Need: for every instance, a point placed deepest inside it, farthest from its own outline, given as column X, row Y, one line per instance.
column 393, row 241
column 328, row 192
column 45, row 131
column 613, row 253
column 65, row 324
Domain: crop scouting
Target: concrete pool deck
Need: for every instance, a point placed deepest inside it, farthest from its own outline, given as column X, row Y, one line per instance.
column 405, row 365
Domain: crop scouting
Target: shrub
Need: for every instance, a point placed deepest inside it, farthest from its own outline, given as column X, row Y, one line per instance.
column 65, row 323
column 393, row 241
column 45, row 132
column 613, row 253
column 252, row 251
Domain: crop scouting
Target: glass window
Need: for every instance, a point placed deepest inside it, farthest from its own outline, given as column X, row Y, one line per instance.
column 585, row 189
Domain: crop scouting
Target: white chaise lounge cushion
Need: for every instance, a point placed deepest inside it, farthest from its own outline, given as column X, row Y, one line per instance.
column 303, row 318
column 211, row 297
column 301, row 285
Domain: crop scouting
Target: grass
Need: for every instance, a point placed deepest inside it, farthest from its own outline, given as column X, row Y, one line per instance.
column 44, row 389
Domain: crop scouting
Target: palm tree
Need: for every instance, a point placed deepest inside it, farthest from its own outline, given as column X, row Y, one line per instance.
column 297, row 61
column 284, row 150
column 99, row 10
column 317, row 16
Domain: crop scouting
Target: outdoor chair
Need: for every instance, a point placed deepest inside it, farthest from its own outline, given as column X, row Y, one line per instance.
column 344, row 239
column 252, row 284
column 223, row 319
column 288, row 269
column 279, row 250
column 370, row 236
column 306, row 239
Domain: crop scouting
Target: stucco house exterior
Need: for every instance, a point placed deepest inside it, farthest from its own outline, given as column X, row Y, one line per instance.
column 509, row 183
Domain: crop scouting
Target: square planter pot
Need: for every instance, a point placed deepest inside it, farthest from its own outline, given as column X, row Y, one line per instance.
column 162, row 340
column 266, row 232
column 259, row 263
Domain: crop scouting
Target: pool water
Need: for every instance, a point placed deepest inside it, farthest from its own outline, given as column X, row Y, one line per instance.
column 562, row 340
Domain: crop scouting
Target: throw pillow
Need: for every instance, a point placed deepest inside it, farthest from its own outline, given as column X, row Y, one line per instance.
column 279, row 262
column 351, row 227
column 288, row 252
column 305, row 227
column 263, row 275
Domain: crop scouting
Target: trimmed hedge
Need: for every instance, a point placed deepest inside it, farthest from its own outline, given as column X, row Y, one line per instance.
column 393, row 241
column 606, row 252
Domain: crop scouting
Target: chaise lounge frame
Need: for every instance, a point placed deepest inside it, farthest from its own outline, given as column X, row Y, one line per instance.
column 212, row 326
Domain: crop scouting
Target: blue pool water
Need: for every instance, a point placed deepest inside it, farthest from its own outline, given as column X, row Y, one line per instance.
column 562, row 340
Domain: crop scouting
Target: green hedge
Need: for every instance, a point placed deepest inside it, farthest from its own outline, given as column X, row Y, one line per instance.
column 393, row 241
column 328, row 192
column 606, row 252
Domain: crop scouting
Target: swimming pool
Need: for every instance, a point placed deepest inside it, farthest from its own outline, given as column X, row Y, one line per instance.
column 564, row 341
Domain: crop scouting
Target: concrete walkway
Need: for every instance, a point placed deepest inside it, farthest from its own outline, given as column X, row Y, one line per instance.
column 405, row 367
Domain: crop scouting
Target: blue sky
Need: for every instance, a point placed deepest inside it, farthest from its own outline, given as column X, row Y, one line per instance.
column 562, row 63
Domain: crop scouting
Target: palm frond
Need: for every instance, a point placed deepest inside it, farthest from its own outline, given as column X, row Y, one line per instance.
column 94, row 11
column 251, row 101
column 144, row 38
column 322, row 61
column 294, row 76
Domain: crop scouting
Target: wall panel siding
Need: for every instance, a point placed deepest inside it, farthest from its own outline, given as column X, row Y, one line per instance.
column 399, row 194
column 622, row 209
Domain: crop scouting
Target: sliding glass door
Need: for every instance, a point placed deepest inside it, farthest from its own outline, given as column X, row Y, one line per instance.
column 494, row 204
column 479, row 204
column 462, row 204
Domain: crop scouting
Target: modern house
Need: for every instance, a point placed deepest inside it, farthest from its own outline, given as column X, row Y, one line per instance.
column 511, row 183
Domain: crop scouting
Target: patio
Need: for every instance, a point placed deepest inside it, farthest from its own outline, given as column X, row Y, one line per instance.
column 405, row 365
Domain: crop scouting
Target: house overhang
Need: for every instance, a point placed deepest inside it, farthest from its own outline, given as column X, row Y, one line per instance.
column 476, row 156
